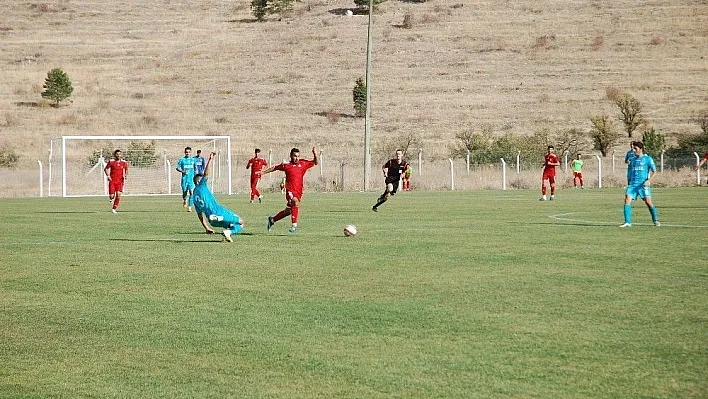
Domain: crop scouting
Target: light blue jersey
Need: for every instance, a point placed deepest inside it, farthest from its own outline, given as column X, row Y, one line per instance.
column 639, row 169
column 628, row 157
column 186, row 165
column 219, row 216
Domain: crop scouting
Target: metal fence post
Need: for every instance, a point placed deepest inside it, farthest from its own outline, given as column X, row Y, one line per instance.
column 518, row 161
column 698, row 170
column 452, row 175
column 503, row 173
column 41, row 179
column 599, row 171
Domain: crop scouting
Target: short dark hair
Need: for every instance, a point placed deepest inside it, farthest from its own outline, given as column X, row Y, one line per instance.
column 639, row 144
column 294, row 150
column 199, row 152
column 188, row 148
column 550, row 146
column 258, row 150
column 116, row 151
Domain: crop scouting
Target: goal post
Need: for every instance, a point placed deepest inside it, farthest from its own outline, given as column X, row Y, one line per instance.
column 76, row 163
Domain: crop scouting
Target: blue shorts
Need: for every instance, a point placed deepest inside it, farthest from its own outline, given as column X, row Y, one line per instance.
column 187, row 184
column 640, row 190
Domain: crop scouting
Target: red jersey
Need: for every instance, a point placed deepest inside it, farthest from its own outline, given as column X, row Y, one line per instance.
column 119, row 168
column 548, row 160
column 256, row 165
column 295, row 175
column 706, row 156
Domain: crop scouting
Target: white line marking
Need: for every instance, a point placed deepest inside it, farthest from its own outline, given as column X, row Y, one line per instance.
column 564, row 218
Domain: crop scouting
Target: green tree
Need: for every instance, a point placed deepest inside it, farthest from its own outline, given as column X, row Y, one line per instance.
column 603, row 134
column 280, row 7
column 359, row 96
column 365, row 3
column 259, row 8
column 631, row 110
column 57, row 86
column 654, row 142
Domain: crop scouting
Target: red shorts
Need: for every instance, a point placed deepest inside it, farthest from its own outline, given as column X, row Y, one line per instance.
column 290, row 196
column 115, row 186
column 579, row 175
column 549, row 175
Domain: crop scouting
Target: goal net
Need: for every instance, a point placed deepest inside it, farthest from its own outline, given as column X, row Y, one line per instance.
column 76, row 163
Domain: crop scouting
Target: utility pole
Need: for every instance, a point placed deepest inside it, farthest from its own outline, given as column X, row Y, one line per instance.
column 367, row 119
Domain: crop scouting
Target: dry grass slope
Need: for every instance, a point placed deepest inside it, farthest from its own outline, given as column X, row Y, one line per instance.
column 204, row 67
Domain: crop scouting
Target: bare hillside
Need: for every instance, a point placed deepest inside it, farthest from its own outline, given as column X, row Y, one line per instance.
column 205, row 67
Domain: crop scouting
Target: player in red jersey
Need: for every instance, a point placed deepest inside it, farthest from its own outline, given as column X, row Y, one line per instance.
column 549, row 173
column 294, row 180
column 116, row 171
column 256, row 164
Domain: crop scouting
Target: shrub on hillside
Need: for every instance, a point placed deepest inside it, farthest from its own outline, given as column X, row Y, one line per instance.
column 8, row 158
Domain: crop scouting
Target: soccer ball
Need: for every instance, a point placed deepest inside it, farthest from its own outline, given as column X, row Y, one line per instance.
column 349, row 13
column 350, row 230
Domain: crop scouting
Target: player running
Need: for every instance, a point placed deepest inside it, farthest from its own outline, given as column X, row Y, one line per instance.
column 550, row 161
column 185, row 166
column 642, row 170
column 577, row 166
column 392, row 170
column 294, row 181
column 407, row 178
column 116, row 171
column 208, row 208
column 256, row 164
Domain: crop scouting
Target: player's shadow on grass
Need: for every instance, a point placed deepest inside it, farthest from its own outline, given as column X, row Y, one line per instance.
column 573, row 223
column 68, row 212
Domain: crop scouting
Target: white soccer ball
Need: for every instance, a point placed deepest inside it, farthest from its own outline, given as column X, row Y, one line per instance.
column 349, row 13
column 350, row 230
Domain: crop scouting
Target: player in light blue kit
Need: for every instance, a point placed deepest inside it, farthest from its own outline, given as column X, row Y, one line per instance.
column 185, row 166
column 628, row 157
column 642, row 170
column 208, row 209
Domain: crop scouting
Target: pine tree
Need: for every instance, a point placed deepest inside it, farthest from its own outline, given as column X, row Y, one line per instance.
column 57, row 86
column 259, row 8
column 359, row 95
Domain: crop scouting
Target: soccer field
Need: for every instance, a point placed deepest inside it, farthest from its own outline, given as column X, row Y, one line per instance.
column 483, row 294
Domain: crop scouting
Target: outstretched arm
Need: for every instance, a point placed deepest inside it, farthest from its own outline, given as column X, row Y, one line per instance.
column 202, row 219
column 703, row 161
column 266, row 171
column 207, row 169
column 314, row 155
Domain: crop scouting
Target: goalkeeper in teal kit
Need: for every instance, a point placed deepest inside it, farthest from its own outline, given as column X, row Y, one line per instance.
column 209, row 210
column 641, row 170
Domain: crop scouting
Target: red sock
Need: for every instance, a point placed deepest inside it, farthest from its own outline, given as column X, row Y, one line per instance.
column 116, row 202
column 285, row 212
column 553, row 190
column 581, row 182
column 543, row 190
column 295, row 212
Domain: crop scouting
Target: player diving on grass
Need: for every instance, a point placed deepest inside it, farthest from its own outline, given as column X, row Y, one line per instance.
column 294, row 182
column 209, row 209
column 392, row 171
column 185, row 166
column 642, row 169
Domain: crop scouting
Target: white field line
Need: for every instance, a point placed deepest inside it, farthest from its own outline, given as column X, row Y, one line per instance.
column 566, row 217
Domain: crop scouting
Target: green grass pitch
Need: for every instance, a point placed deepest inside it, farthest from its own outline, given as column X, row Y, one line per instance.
column 483, row 294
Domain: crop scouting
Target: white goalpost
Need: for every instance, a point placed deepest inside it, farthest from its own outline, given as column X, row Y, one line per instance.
column 76, row 163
